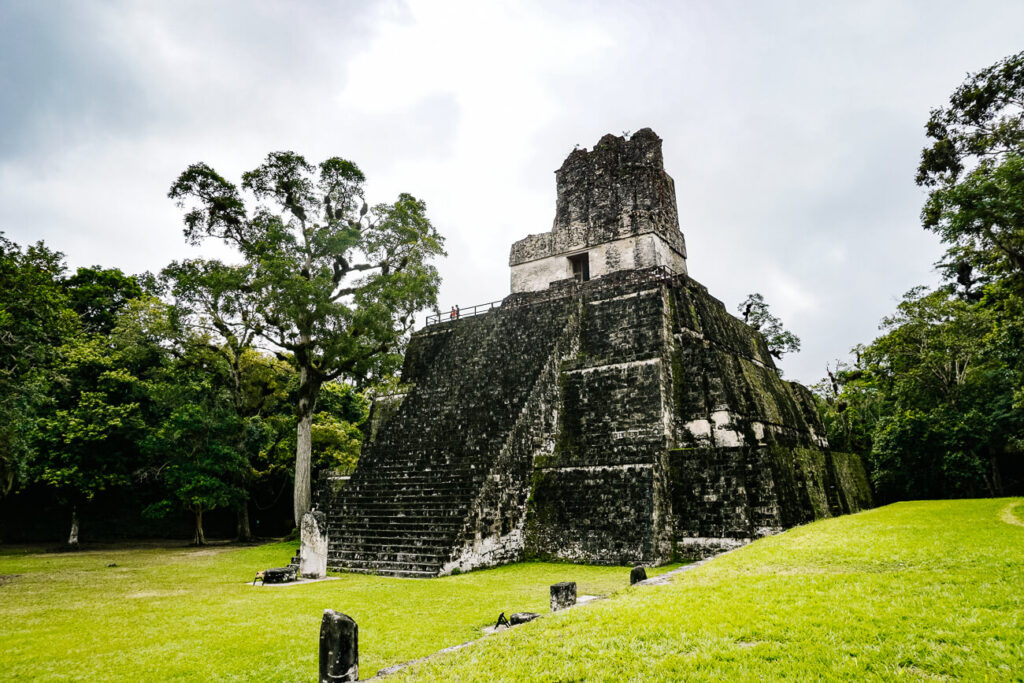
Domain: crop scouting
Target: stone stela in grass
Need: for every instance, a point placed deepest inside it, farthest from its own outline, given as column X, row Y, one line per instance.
column 637, row 574
column 563, row 595
column 313, row 550
column 608, row 411
column 339, row 648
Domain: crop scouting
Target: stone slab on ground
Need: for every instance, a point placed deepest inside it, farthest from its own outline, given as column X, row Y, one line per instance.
column 280, row 574
column 297, row 582
column 522, row 617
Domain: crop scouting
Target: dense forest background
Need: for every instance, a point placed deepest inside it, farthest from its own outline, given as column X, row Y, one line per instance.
column 120, row 406
column 144, row 405
column 936, row 403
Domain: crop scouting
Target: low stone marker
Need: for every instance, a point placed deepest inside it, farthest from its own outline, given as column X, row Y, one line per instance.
column 522, row 618
column 563, row 595
column 339, row 648
column 637, row 574
column 313, row 551
column 279, row 574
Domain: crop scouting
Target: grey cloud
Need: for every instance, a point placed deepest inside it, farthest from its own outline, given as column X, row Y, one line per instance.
column 57, row 72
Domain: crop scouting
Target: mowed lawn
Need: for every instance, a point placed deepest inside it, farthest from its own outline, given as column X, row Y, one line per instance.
column 912, row 591
column 184, row 613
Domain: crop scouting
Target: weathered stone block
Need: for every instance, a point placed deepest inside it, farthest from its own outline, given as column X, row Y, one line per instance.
column 313, row 552
column 522, row 617
column 339, row 648
column 280, row 574
column 637, row 574
column 563, row 595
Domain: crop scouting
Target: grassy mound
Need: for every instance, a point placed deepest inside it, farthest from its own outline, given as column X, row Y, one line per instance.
column 914, row 590
column 186, row 613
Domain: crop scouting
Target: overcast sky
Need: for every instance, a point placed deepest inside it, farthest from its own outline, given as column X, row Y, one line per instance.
column 792, row 129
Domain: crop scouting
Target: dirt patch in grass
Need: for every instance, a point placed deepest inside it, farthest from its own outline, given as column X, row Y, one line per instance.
column 748, row 643
column 210, row 551
column 1011, row 514
column 7, row 578
column 156, row 594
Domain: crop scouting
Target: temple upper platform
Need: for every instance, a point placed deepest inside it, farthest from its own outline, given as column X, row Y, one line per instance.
column 616, row 210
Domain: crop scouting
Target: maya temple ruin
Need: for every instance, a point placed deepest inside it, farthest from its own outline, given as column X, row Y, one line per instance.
column 609, row 411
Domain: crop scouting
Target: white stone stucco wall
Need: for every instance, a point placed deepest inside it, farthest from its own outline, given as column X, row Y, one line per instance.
column 629, row 253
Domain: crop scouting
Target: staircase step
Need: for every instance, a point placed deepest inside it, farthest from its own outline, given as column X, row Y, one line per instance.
column 397, row 573
column 397, row 547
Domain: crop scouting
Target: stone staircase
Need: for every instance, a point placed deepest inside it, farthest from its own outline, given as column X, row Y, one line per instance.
column 401, row 520
column 409, row 505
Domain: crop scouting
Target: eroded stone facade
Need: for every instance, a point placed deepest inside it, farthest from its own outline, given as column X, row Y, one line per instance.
column 616, row 207
column 623, row 419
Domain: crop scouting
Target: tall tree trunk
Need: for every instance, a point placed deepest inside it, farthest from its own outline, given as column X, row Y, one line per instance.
column 200, row 537
column 73, row 536
column 244, row 530
column 309, row 389
column 997, row 480
column 303, row 476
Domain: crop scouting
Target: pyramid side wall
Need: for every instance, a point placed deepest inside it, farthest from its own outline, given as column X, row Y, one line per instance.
column 751, row 458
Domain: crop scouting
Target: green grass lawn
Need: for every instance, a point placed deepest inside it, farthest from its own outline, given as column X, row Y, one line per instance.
column 915, row 591
column 185, row 613
column 910, row 591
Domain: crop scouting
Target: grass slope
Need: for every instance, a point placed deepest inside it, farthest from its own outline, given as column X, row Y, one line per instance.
column 184, row 613
column 911, row 591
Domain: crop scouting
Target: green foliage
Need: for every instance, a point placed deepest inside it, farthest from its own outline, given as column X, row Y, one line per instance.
column 101, row 406
column 34, row 323
column 937, row 401
column 81, row 441
column 930, row 402
column 214, row 301
column 327, row 278
column 336, row 282
column 974, row 170
column 755, row 313
column 933, row 344
column 337, row 437
column 97, row 295
column 220, row 418
column 197, row 443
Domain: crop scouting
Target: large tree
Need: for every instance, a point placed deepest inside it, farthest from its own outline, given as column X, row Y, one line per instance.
column 936, row 401
column 756, row 313
column 215, row 300
column 973, row 169
column 200, row 444
column 35, row 321
column 335, row 283
column 102, row 408
column 930, row 402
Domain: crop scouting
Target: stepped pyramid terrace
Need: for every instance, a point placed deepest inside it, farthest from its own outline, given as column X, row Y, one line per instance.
column 608, row 411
